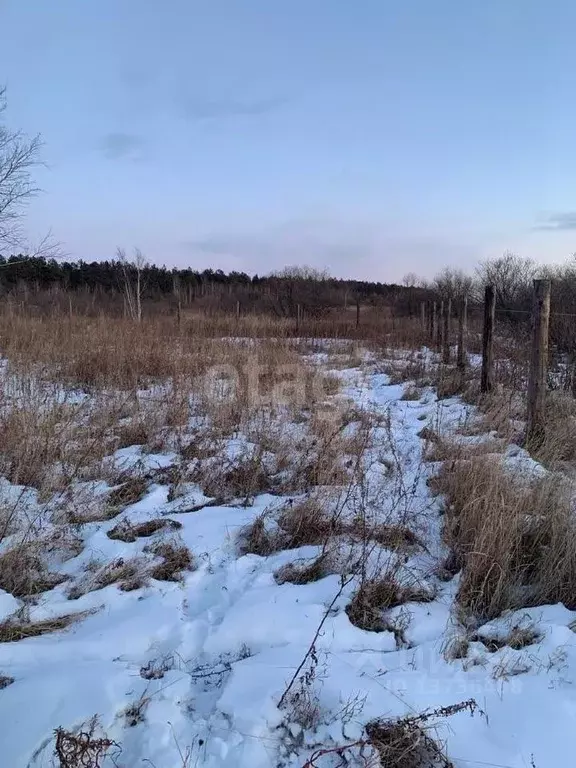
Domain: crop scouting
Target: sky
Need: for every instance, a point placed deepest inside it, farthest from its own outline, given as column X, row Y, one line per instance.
column 369, row 137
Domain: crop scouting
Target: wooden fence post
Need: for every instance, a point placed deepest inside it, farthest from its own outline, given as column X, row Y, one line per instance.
column 447, row 332
column 539, row 358
column 433, row 320
column 423, row 316
column 462, row 331
column 487, row 378
column 298, row 317
column 357, row 313
column 238, row 309
column 439, row 327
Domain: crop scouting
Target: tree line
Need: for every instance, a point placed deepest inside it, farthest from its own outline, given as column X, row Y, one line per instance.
column 279, row 293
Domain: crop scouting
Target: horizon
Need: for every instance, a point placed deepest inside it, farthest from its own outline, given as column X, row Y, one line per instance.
column 372, row 141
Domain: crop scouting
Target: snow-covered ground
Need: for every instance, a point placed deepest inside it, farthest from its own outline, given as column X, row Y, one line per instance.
column 191, row 673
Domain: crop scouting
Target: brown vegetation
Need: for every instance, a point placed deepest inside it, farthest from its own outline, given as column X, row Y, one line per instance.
column 514, row 536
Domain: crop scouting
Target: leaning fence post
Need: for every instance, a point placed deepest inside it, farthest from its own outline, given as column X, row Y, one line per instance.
column 447, row 332
column 539, row 358
column 487, row 378
column 462, row 331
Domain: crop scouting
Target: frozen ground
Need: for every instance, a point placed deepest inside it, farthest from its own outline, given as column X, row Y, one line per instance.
column 191, row 674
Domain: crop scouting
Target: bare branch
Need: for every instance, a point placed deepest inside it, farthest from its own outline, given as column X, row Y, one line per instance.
column 18, row 155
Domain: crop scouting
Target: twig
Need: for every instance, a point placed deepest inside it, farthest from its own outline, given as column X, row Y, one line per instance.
column 344, row 583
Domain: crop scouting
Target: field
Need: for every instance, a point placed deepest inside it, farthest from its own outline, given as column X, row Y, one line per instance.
column 269, row 551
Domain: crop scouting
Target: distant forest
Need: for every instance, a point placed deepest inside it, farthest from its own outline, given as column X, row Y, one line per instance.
column 40, row 279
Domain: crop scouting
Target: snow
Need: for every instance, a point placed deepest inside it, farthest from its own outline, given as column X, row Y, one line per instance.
column 230, row 638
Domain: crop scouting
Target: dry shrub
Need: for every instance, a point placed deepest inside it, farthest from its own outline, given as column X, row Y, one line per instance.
column 405, row 742
column 135, row 431
column 428, row 434
column 502, row 411
column 176, row 558
column 411, row 392
column 129, row 533
column 257, row 538
column 157, row 668
column 395, row 537
column 308, row 522
column 5, row 681
column 83, row 748
column 517, row 638
column 295, row 525
column 32, row 438
column 128, row 574
column 456, row 648
column 134, row 713
column 404, row 370
column 129, row 491
column 515, row 536
column 301, row 572
column 22, row 572
column 241, row 478
column 14, row 628
column 446, row 449
column 449, row 383
column 555, row 444
column 374, row 597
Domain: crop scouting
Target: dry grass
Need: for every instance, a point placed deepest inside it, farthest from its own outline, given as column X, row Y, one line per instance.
column 85, row 747
column 297, row 524
column 129, row 491
column 23, row 573
column 555, row 445
column 411, row 392
column 134, row 714
column 308, row 522
column 127, row 574
column 517, row 638
column 302, row 572
column 398, row 538
column 129, row 533
column 374, row 597
column 257, row 538
column 14, row 629
column 176, row 558
column 449, row 383
column 407, row 369
column 243, row 477
column 514, row 536
column 407, row 743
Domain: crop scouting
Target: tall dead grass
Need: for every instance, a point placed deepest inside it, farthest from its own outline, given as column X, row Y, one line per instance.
column 513, row 536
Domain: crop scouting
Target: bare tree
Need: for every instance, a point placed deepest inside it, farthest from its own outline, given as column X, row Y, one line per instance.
column 18, row 155
column 511, row 276
column 453, row 283
column 133, row 281
column 302, row 272
column 410, row 280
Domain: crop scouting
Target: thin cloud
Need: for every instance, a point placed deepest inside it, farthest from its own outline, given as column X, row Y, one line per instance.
column 117, row 146
column 565, row 220
column 197, row 108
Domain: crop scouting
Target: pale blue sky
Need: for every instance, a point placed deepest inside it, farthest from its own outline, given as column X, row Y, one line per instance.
column 373, row 137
